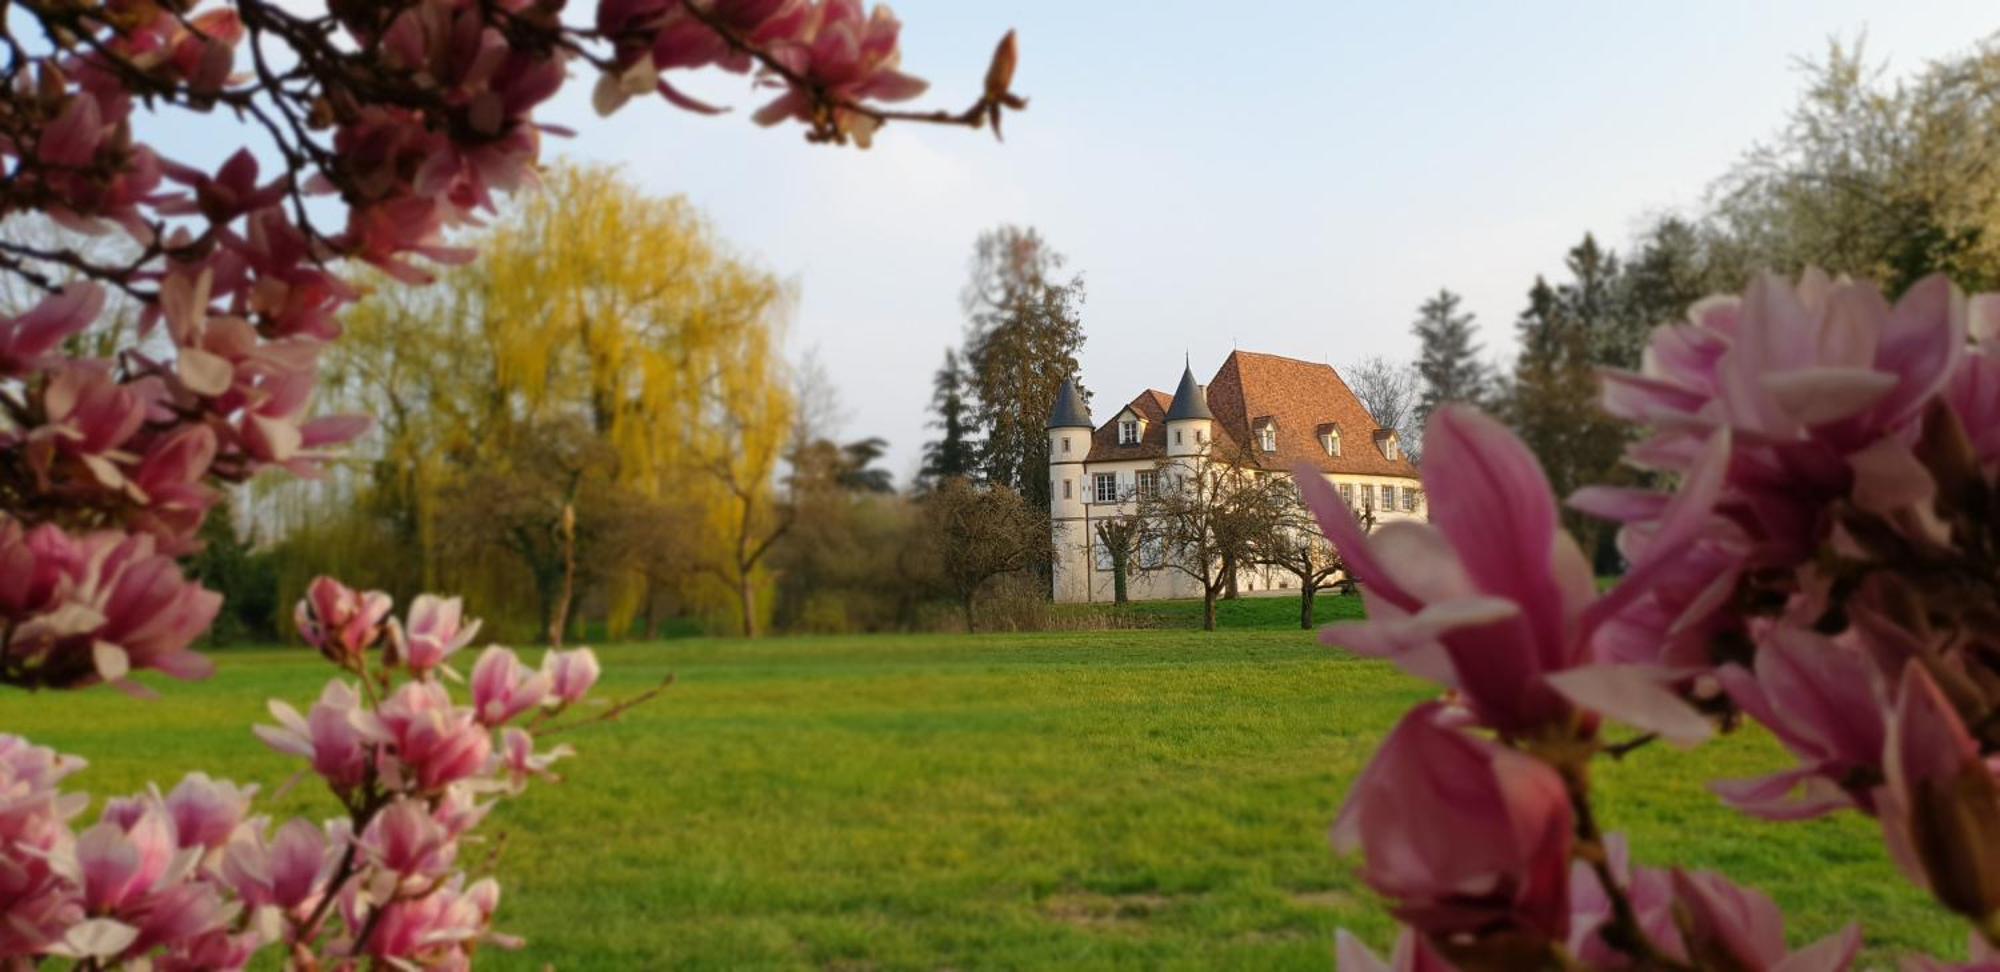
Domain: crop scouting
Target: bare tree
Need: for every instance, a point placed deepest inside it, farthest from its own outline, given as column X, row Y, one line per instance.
column 1207, row 516
column 1120, row 538
column 981, row 533
column 1393, row 393
column 1297, row 547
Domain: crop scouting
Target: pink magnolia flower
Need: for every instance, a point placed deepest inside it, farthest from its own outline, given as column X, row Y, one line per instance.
column 435, row 632
column 34, row 824
column 207, row 812
column 342, row 623
column 459, row 809
column 1491, row 598
column 437, row 929
column 503, row 688
column 1699, row 918
column 335, row 736
column 1826, row 701
column 405, row 841
column 289, row 872
column 520, row 761
column 27, row 340
column 1805, row 376
column 433, row 742
column 846, row 54
column 180, row 914
column 1464, row 836
column 90, row 417
column 93, row 608
column 571, row 674
column 118, row 866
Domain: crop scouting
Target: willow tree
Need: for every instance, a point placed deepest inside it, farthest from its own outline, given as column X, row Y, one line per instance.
column 597, row 313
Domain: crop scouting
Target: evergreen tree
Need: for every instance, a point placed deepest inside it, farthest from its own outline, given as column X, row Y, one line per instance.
column 955, row 454
column 1447, row 358
column 1566, row 334
column 1025, row 329
column 1673, row 267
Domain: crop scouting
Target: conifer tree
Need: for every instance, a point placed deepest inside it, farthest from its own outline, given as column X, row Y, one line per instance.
column 955, row 453
column 1447, row 356
column 1025, row 330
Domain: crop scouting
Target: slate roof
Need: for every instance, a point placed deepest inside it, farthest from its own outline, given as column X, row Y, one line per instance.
column 1188, row 400
column 1070, row 412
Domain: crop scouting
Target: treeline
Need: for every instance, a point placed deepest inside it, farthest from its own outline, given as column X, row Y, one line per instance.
column 591, row 433
column 1890, row 181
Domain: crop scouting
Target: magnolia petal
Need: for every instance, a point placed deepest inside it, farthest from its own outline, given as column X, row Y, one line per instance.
column 98, row 938
column 1816, row 396
column 111, row 661
column 1636, row 695
column 205, row 373
column 1350, row 955
column 1800, row 793
column 1336, row 521
column 1834, row 953
column 1888, row 477
column 1489, row 497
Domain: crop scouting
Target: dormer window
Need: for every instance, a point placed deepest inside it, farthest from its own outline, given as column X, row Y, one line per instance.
column 1267, row 439
column 1128, row 432
column 1389, row 448
column 1329, row 438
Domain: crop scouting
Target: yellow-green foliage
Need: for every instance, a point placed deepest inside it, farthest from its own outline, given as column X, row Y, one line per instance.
column 607, row 346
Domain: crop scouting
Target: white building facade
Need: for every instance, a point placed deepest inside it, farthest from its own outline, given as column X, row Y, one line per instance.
column 1264, row 411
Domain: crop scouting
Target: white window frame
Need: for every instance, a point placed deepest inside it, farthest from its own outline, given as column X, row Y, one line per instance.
column 1389, row 448
column 1389, row 497
column 1331, row 443
column 1101, row 555
column 1098, row 484
column 1128, row 432
column 1268, row 438
column 1367, row 496
column 1146, row 483
column 1347, row 494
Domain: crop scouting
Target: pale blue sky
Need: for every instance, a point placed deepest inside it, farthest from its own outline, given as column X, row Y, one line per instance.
column 1287, row 177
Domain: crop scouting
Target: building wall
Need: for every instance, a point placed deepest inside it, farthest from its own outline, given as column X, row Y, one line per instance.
column 1077, row 575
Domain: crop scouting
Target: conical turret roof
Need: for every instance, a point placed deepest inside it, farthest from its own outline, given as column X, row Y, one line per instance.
column 1070, row 412
column 1189, row 402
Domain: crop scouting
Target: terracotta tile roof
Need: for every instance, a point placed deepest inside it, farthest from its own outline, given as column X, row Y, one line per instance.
column 1305, row 399
column 1151, row 406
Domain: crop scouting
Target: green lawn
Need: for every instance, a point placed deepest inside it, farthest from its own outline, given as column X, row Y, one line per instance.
column 1119, row 799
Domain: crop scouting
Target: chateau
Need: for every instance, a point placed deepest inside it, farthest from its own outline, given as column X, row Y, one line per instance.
column 1262, row 410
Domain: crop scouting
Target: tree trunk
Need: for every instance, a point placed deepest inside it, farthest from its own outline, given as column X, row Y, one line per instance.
column 1229, row 578
column 1118, row 582
column 746, row 599
column 1208, row 609
column 1306, row 592
column 966, row 605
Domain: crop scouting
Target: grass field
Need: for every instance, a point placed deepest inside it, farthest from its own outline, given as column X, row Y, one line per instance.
column 1121, row 799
